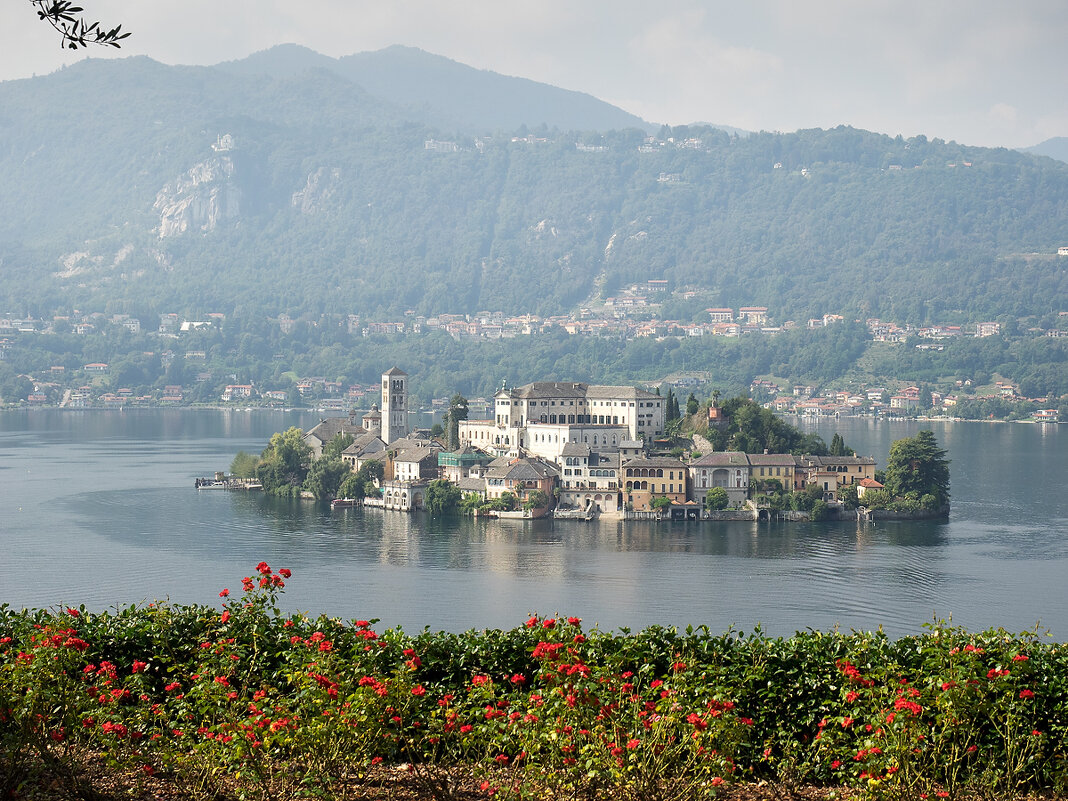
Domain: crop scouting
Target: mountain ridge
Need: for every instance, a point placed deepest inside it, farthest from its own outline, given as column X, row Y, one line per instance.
column 457, row 95
column 344, row 203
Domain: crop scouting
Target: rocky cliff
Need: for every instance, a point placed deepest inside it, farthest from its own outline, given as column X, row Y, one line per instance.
column 200, row 199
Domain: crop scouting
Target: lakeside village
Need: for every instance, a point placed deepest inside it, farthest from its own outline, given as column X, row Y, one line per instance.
column 628, row 316
column 579, row 451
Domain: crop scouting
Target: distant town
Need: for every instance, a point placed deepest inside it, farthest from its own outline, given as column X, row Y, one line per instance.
column 629, row 314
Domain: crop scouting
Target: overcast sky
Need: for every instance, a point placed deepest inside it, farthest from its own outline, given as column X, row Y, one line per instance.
column 980, row 72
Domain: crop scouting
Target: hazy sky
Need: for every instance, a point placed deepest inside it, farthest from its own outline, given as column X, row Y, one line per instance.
column 980, row 72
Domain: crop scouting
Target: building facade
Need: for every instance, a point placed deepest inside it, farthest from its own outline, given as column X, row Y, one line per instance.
column 545, row 416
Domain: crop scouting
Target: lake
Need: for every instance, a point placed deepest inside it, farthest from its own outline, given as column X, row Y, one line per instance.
column 98, row 507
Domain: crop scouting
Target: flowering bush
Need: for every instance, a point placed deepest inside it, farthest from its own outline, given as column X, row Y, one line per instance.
column 242, row 699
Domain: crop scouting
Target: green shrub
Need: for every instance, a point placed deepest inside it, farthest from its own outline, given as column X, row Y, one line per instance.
column 245, row 700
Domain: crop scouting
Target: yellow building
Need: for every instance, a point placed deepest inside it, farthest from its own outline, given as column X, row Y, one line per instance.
column 645, row 479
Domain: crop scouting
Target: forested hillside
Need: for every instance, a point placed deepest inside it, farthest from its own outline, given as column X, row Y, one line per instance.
column 329, row 199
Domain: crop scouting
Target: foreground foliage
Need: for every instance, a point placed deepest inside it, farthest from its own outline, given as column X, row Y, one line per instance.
column 249, row 702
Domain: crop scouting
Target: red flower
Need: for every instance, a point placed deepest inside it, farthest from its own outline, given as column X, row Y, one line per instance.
column 225, row 618
column 1020, row 658
column 1027, row 694
column 376, row 761
column 139, row 666
column 418, row 690
column 224, row 593
column 263, row 569
column 285, row 572
column 532, row 622
column 632, row 744
column 836, row 765
column 911, row 706
column 548, row 623
column 847, row 722
column 574, row 621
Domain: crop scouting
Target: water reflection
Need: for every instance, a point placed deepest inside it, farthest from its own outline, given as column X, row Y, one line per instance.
column 100, row 508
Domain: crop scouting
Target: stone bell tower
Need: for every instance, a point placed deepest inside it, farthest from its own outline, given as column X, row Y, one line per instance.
column 394, row 405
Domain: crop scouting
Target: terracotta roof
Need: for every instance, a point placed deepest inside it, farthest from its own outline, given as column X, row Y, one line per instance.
column 772, row 459
column 655, row 461
column 722, row 459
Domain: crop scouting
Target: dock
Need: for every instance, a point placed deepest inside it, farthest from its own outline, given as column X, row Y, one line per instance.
column 224, row 482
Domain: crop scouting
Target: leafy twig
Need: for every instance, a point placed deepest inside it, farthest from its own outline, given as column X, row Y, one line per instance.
column 74, row 30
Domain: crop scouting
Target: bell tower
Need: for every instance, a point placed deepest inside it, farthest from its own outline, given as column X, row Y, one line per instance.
column 394, row 405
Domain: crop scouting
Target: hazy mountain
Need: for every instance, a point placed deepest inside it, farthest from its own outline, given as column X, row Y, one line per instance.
column 1055, row 148
column 446, row 93
column 281, row 183
column 728, row 128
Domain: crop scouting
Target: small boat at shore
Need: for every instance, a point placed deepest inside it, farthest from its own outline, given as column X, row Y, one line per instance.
column 343, row 503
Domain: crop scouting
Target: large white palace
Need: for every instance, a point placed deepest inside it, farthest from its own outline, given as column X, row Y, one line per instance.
column 541, row 418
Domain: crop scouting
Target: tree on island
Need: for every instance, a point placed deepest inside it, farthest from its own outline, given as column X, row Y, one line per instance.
column 716, row 499
column 660, row 503
column 284, row 463
column 917, row 466
column 442, row 498
column 244, row 465
column 535, row 500
column 457, row 411
column 838, row 446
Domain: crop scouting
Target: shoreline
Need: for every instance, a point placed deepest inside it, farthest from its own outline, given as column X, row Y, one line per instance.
column 336, row 413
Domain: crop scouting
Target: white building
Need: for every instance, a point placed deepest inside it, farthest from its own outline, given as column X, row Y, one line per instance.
column 544, row 416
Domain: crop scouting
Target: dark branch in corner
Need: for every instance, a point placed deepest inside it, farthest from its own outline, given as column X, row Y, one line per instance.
column 74, row 30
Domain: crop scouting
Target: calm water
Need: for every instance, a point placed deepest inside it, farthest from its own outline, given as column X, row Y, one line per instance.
column 99, row 507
